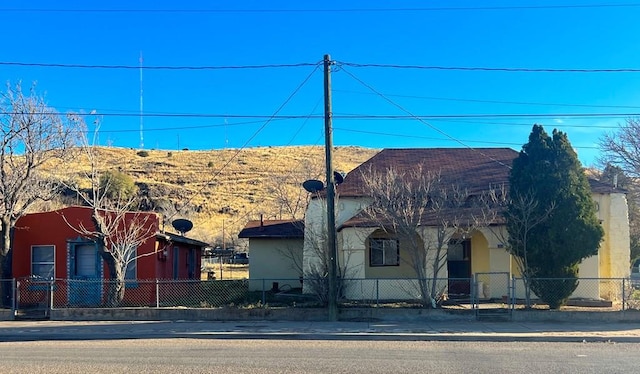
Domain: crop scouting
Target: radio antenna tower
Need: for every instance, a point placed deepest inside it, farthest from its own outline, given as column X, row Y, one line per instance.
column 141, row 106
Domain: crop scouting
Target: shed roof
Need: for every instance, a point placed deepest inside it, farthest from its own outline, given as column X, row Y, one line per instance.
column 273, row 229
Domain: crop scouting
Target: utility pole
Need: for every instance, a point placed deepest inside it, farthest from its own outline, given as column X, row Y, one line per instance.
column 141, row 106
column 331, row 214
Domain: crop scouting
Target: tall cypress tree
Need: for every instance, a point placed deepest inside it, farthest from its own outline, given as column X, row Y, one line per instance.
column 548, row 169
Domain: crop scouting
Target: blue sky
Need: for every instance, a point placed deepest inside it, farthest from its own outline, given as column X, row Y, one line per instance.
column 585, row 36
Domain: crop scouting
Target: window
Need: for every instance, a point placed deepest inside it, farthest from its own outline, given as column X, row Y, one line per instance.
column 384, row 252
column 42, row 261
column 130, row 274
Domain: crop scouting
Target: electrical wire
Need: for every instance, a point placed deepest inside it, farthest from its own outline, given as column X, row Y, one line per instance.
column 433, row 138
column 346, row 71
column 146, row 67
column 246, row 143
column 329, row 10
column 499, row 69
column 354, row 116
column 492, row 101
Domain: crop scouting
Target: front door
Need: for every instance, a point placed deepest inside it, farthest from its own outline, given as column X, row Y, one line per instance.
column 459, row 268
column 85, row 276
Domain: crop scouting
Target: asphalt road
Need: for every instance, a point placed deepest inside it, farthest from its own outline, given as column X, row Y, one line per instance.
column 183, row 355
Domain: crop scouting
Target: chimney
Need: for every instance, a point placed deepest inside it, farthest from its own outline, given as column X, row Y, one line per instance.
column 261, row 222
column 615, row 181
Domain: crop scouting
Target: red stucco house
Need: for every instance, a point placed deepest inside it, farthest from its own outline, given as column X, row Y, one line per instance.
column 46, row 247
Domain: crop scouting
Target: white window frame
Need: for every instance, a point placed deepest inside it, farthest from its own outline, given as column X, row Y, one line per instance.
column 41, row 263
column 390, row 251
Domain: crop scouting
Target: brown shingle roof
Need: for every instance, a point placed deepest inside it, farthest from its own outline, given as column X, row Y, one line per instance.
column 604, row 188
column 476, row 169
column 273, row 229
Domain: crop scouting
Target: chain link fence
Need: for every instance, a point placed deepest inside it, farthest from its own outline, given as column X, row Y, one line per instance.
column 28, row 293
column 604, row 293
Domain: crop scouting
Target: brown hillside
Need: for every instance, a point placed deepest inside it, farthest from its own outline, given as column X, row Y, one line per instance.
column 224, row 187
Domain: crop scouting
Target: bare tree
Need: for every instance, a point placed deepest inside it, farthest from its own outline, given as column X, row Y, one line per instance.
column 116, row 226
column 622, row 148
column 32, row 135
column 426, row 214
column 291, row 200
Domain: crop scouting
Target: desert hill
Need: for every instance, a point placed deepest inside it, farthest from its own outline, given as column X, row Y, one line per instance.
column 220, row 190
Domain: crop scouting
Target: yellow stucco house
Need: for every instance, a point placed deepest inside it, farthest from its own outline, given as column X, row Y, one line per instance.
column 368, row 253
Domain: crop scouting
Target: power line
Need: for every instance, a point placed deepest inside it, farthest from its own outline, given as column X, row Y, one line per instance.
column 210, row 67
column 433, row 138
column 327, row 10
column 421, row 120
column 493, row 101
column 246, row 143
column 305, row 64
column 352, row 116
column 484, row 115
column 484, row 68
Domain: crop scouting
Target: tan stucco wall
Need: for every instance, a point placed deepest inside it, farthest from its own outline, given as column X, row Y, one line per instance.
column 480, row 256
column 404, row 269
column 614, row 250
column 488, row 253
column 316, row 223
column 272, row 261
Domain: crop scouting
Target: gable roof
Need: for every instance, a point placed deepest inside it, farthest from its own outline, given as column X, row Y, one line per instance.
column 273, row 229
column 477, row 169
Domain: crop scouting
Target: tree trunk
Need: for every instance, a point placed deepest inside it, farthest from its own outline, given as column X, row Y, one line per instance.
column 6, row 263
column 116, row 288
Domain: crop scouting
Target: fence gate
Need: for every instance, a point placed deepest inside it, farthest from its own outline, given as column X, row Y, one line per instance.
column 492, row 295
column 33, row 298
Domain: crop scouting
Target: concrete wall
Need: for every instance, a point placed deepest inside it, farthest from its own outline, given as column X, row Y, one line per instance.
column 313, row 314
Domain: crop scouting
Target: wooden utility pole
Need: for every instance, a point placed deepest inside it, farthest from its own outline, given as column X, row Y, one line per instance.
column 331, row 214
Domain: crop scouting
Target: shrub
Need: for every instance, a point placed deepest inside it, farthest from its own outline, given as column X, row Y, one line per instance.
column 143, row 153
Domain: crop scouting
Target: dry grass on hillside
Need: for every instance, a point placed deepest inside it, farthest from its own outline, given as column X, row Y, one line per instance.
column 223, row 187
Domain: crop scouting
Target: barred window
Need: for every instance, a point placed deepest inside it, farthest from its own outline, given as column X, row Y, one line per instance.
column 384, row 252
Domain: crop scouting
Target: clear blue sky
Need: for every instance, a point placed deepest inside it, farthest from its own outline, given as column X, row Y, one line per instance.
column 580, row 37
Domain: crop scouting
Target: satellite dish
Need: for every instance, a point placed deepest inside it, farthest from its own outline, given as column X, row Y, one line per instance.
column 313, row 185
column 182, row 225
column 338, row 177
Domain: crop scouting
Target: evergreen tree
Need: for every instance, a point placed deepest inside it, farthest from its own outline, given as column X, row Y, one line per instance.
column 549, row 171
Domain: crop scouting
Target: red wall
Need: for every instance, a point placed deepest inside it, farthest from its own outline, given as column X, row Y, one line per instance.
column 50, row 228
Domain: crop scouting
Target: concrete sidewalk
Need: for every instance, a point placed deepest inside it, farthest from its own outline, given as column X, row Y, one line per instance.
column 388, row 330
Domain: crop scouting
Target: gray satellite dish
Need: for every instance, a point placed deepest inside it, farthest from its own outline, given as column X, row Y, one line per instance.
column 313, row 185
column 182, row 225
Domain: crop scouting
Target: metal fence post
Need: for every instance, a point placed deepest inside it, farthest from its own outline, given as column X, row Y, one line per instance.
column 14, row 297
column 264, row 293
column 474, row 291
column 377, row 292
column 51, row 286
column 513, row 292
column 624, row 294
column 157, row 293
